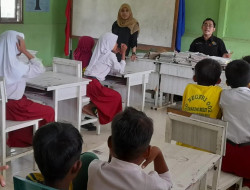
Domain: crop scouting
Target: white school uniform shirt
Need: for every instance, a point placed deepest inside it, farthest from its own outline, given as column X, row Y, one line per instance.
column 235, row 105
column 121, row 175
column 103, row 60
column 16, row 90
column 14, row 70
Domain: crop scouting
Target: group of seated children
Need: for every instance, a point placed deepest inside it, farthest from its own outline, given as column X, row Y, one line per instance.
column 58, row 146
column 232, row 105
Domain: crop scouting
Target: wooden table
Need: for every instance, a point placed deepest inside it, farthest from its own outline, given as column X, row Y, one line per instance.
column 188, row 167
column 64, row 88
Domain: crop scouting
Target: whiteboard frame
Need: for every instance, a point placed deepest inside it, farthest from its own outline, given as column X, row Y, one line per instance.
column 144, row 46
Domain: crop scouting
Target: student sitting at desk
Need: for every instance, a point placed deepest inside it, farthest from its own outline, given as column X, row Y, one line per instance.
column 14, row 71
column 129, row 148
column 208, row 43
column 83, row 52
column 57, row 151
column 107, row 101
column 127, row 29
column 235, row 104
column 203, row 98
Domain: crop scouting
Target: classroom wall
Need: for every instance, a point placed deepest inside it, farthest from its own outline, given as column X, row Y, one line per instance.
column 232, row 19
column 44, row 31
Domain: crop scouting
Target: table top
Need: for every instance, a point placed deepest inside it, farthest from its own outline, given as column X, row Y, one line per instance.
column 132, row 69
column 186, row 165
column 51, row 81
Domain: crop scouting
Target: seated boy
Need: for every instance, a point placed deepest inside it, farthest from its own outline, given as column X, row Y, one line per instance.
column 129, row 148
column 235, row 104
column 203, row 98
column 57, row 149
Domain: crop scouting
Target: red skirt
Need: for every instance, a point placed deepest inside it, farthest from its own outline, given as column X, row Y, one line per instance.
column 107, row 101
column 236, row 161
column 22, row 110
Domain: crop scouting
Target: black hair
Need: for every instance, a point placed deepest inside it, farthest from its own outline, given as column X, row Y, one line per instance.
column 209, row 19
column 131, row 134
column 238, row 73
column 57, row 146
column 246, row 58
column 207, row 72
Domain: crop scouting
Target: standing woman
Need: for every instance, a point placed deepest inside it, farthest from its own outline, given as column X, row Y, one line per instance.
column 15, row 73
column 83, row 52
column 127, row 29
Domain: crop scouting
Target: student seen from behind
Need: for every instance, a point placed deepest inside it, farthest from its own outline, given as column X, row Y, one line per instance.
column 235, row 105
column 130, row 152
column 203, row 98
column 57, row 151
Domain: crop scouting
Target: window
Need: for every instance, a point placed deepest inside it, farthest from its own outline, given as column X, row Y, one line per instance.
column 11, row 11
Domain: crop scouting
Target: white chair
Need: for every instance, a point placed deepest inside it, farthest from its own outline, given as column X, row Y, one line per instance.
column 205, row 133
column 73, row 67
column 8, row 126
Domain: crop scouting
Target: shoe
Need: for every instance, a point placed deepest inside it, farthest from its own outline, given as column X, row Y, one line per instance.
column 89, row 127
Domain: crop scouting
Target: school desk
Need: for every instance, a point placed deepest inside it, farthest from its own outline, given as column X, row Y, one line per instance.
column 58, row 89
column 133, row 76
column 188, row 167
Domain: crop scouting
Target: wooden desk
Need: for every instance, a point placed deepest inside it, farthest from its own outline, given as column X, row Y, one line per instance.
column 64, row 88
column 188, row 167
column 133, row 76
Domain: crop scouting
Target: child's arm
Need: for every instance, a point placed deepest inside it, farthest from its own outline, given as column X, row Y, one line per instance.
column 2, row 181
column 156, row 155
column 35, row 67
column 123, row 50
column 22, row 48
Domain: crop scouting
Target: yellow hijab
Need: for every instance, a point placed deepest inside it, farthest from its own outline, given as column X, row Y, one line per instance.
column 131, row 22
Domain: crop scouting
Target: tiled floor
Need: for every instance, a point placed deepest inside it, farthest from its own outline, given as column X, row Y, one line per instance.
column 23, row 166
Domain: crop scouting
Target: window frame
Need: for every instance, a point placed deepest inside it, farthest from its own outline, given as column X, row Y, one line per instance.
column 18, row 10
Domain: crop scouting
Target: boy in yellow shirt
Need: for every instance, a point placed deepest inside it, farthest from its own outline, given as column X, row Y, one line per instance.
column 203, row 98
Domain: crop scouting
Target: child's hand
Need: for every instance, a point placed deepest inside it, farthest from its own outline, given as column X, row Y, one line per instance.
column 158, row 158
column 22, row 48
column 2, row 182
column 154, row 152
column 133, row 57
column 21, row 44
column 123, row 48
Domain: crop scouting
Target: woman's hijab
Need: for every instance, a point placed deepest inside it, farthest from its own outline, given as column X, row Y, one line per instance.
column 11, row 68
column 131, row 22
column 102, row 50
column 83, row 52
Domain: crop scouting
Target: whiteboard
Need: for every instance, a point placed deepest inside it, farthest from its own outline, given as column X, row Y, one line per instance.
column 156, row 19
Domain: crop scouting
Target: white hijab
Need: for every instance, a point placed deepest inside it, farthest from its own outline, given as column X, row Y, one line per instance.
column 11, row 68
column 102, row 50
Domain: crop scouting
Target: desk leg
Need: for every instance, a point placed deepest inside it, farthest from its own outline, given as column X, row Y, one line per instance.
column 216, row 174
column 143, row 92
column 55, row 100
column 160, row 101
column 79, row 107
column 203, row 183
column 156, row 96
column 128, row 92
